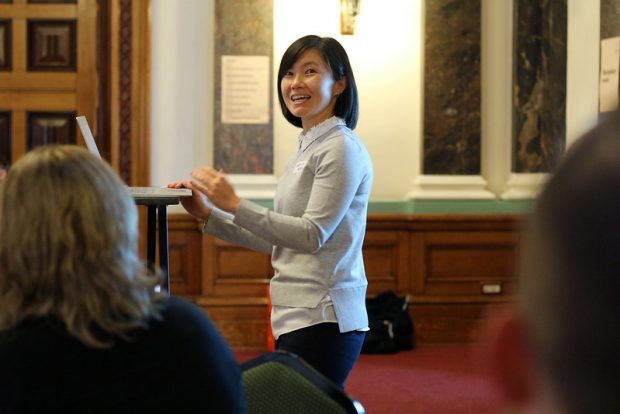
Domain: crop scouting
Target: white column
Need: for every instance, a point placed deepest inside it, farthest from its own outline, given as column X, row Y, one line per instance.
column 582, row 70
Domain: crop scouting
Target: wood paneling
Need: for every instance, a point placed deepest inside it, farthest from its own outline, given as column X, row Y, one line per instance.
column 53, row 68
column 459, row 263
column 185, row 258
column 448, row 322
column 237, row 272
column 386, row 257
column 441, row 262
column 242, row 323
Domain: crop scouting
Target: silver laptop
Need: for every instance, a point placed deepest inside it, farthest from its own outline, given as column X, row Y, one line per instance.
column 136, row 192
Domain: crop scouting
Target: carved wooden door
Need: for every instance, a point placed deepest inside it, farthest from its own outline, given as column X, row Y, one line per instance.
column 48, row 72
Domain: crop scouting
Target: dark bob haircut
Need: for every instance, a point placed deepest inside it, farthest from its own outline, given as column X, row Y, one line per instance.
column 335, row 56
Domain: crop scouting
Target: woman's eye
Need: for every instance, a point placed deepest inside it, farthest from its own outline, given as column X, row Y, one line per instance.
column 310, row 71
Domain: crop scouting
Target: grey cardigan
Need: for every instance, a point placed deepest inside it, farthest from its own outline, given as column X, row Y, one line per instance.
column 317, row 228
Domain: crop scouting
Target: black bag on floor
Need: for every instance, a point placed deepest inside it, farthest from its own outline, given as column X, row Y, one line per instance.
column 391, row 329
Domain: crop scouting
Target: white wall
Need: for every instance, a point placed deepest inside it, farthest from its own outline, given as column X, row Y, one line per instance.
column 386, row 55
column 181, row 87
column 582, row 71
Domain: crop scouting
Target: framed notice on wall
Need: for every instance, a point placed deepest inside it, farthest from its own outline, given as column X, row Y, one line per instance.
column 245, row 90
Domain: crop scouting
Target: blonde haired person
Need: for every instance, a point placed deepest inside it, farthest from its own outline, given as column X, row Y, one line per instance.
column 82, row 328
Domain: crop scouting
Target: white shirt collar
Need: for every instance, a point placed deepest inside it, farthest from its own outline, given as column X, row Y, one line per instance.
column 314, row 133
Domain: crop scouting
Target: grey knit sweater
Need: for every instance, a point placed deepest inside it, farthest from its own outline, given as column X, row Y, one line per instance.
column 316, row 230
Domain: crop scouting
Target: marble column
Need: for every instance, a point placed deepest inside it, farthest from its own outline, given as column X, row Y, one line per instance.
column 539, row 85
column 452, row 87
column 242, row 27
column 610, row 18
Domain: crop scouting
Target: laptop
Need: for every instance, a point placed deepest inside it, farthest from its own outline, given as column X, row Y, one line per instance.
column 136, row 192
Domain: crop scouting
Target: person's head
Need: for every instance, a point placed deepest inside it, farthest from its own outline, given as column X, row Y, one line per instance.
column 559, row 350
column 68, row 247
column 316, row 82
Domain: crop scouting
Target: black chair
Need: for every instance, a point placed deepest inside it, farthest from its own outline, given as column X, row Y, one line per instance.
column 281, row 382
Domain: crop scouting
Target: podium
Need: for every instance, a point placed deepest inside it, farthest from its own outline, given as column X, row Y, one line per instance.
column 157, row 230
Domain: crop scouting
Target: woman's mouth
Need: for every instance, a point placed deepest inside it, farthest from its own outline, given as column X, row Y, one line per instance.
column 299, row 98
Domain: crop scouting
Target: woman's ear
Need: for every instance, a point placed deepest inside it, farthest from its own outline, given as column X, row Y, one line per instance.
column 339, row 86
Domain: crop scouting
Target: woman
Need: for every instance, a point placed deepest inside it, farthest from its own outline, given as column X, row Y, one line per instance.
column 82, row 328
column 316, row 230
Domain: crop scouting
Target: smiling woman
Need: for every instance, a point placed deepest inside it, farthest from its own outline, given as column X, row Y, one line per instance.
column 319, row 65
column 315, row 233
column 309, row 89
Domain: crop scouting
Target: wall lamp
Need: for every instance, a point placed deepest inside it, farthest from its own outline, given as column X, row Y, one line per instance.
column 349, row 9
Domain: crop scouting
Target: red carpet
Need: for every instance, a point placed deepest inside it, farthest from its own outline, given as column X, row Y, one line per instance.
column 442, row 380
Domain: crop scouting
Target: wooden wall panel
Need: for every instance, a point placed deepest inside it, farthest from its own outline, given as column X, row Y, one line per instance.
column 441, row 262
column 53, row 67
column 386, row 259
column 235, row 271
column 185, row 256
column 447, row 323
column 243, row 325
column 462, row 263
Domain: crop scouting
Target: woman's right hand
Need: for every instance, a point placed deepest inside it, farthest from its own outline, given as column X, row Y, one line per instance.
column 196, row 205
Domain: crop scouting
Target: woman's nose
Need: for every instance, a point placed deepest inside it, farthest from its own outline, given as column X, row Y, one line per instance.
column 297, row 81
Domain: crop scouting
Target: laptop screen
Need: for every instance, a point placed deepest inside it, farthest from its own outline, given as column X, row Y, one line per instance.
column 88, row 135
column 139, row 193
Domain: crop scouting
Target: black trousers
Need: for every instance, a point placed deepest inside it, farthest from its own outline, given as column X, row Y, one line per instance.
column 323, row 346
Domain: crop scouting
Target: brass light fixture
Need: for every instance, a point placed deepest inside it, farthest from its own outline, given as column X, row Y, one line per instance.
column 349, row 9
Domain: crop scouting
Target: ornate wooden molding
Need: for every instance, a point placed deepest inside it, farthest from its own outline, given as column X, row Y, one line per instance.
column 124, row 104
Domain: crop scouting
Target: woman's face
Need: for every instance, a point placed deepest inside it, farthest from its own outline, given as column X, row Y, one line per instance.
column 309, row 89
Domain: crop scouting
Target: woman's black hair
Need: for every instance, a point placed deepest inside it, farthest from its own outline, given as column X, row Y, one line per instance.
column 347, row 106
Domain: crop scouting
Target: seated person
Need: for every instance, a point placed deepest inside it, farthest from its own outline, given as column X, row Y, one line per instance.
column 557, row 350
column 82, row 327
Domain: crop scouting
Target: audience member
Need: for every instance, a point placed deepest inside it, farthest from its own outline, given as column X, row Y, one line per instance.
column 557, row 351
column 82, row 328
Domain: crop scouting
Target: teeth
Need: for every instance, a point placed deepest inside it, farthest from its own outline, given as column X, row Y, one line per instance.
column 296, row 98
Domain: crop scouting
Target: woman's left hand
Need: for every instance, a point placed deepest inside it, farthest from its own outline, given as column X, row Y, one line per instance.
column 216, row 187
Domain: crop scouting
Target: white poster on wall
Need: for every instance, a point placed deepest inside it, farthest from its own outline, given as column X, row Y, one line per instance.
column 610, row 64
column 245, row 89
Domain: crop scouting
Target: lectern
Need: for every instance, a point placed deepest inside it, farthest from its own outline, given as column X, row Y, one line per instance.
column 157, row 230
